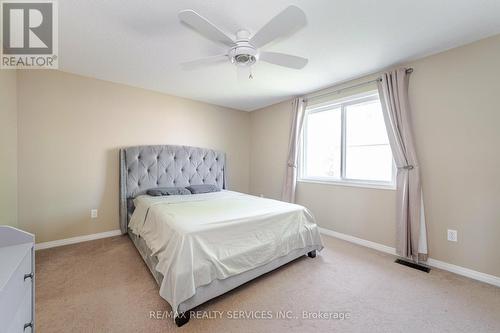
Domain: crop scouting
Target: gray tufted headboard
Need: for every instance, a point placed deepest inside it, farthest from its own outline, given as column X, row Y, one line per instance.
column 146, row 167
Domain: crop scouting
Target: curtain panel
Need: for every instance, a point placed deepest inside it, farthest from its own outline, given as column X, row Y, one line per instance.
column 290, row 181
column 411, row 234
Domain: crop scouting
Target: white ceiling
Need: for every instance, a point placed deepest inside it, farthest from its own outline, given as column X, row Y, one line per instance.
column 141, row 43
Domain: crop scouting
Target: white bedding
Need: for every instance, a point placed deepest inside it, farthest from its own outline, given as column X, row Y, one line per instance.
column 202, row 237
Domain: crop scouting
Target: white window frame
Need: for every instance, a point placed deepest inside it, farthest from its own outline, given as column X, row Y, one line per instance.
column 343, row 180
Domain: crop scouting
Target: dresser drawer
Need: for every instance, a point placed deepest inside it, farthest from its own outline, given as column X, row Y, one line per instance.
column 16, row 298
column 22, row 316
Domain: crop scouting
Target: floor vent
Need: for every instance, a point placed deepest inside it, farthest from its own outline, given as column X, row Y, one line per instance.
column 420, row 267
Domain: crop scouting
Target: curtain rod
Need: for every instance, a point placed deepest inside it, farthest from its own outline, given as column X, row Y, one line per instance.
column 408, row 71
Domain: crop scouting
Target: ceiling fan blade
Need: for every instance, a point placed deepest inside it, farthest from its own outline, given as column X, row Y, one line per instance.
column 204, row 27
column 204, row 61
column 286, row 22
column 282, row 59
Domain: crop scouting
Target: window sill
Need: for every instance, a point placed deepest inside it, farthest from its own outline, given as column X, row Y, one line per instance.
column 390, row 187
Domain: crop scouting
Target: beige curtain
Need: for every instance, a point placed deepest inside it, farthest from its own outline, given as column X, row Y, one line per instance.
column 411, row 238
column 290, row 182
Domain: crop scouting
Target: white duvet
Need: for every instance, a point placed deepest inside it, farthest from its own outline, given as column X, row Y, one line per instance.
column 202, row 237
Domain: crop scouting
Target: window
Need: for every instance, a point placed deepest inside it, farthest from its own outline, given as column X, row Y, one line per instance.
column 345, row 141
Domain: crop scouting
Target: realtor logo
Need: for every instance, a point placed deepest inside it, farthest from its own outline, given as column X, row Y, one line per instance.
column 29, row 34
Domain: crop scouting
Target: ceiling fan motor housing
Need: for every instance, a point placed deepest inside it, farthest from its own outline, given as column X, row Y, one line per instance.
column 243, row 53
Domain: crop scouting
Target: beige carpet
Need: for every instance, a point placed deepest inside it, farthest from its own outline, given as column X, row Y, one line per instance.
column 103, row 286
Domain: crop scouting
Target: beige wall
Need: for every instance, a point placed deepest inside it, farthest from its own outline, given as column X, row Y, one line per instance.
column 456, row 114
column 70, row 129
column 269, row 148
column 8, row 147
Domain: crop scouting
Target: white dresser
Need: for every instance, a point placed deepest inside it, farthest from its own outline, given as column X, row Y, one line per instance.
column 17, row 281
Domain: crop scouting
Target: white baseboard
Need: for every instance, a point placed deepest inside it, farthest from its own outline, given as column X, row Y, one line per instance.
column 483, row 277
column 78, row 239
column 359, row 241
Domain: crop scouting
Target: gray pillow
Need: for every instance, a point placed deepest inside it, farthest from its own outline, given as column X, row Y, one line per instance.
column 159, row 191
column 204, row 188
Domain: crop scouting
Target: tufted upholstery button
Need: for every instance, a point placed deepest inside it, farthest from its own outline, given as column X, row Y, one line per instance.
column 157, row 183
column 128, row 170
column 138, row 183
column 138, row 157
column 149, row 171
column 157, row 157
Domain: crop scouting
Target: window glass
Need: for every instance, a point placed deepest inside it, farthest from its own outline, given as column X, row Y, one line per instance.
column 323, row 143
column 368, row 154
column 347, row 142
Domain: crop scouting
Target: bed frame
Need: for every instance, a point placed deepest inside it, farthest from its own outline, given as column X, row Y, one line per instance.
column 146, row 167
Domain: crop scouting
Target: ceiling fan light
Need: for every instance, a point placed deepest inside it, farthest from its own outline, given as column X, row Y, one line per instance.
column 244, row 60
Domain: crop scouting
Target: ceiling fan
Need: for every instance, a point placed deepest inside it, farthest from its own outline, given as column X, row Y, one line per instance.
column 244, row 48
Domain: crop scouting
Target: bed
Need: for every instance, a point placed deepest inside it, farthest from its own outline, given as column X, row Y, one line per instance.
column 200, row 246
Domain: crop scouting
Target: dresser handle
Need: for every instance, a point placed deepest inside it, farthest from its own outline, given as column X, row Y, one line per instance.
column 27, row 325
column 28, row 276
